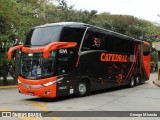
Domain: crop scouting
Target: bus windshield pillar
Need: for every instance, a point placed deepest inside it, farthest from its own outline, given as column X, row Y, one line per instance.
column 13, row 49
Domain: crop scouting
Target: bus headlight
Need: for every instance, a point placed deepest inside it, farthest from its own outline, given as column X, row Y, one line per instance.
column 49, row 83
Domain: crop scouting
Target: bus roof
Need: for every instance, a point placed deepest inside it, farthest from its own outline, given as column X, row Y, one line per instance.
column 78, row 24
column 63, row 24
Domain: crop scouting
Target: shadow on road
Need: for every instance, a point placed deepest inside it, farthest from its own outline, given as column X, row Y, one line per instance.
column 58, row 99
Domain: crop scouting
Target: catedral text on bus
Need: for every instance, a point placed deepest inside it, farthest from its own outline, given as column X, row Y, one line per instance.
column 75, row 58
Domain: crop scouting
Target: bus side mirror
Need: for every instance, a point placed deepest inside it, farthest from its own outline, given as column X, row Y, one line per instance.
column 146, row 53
column 57, row 45
column 13, row 49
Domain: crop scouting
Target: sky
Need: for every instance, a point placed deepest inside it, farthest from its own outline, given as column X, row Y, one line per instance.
column 143, row 9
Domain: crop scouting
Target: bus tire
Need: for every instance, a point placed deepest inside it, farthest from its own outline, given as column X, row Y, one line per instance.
column 82, row 88
column 132, row 81
column 138, row 80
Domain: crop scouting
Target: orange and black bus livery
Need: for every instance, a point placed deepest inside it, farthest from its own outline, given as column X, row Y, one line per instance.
column 75, row 58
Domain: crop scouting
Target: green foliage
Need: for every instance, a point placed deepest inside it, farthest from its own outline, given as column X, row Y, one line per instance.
column 18, row 16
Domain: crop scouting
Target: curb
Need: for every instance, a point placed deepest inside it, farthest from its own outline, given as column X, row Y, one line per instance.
column 8, row 87
column 156, row 83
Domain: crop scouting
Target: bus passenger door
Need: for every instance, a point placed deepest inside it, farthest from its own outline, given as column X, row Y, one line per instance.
column 65, row 78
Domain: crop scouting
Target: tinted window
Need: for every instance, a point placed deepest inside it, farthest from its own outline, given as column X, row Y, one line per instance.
column 93, row 40
column 108, row 43
column 121, row 45
column 63, row 65
column 72, row 34
column 43, row 36
column 101, row 40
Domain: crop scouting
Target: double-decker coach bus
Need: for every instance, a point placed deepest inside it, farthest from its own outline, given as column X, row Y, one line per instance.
column 75, row 58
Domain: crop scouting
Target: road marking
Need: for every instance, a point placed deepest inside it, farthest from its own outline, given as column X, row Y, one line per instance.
column 4, row 109
column 43, row 107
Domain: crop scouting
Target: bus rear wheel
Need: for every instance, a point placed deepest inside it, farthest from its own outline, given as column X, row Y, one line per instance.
column 132, row 81
column 138, row 80
column 82, row 89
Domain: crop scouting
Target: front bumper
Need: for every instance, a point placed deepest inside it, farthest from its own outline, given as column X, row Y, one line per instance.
column 36, row 88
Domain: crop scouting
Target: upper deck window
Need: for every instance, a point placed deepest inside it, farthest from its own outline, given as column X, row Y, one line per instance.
column 72, row 34
column 101, row 40
column 43, row 36
column 94, row 40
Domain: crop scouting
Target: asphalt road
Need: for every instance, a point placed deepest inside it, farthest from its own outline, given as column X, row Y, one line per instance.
column 145, row 97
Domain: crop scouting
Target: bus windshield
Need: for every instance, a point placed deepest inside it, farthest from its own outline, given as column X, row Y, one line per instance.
column 43, row 36
column 34, row 66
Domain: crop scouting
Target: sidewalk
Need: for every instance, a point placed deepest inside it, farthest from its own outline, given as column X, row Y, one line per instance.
column 157, row 82
column 10, row 80
column 154, row 77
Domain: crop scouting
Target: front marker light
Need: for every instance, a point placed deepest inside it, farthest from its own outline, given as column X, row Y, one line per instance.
column 49, row 83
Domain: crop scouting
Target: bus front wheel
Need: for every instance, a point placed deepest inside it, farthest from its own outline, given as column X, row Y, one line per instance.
column 82, row 88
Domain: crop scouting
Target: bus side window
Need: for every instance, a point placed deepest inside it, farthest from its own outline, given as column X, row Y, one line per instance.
column 63, row 66
column 71, row 34
column 93, row 41
column 146, row 50
column 108, row 43
column 118, row 45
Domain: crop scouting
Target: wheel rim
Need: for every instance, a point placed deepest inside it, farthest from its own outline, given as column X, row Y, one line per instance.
column 82, row 88
column 137, row 80
column 132, row 81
